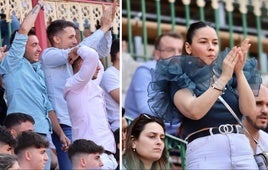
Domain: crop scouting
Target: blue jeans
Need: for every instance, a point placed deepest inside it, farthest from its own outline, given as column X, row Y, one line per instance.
column 63, row 159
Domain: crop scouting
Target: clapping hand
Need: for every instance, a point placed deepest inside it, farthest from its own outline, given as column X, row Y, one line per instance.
column 242, row 56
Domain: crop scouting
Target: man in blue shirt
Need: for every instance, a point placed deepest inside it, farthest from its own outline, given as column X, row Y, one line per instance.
column 166, row 45
column 24, row 80
column 56, row 63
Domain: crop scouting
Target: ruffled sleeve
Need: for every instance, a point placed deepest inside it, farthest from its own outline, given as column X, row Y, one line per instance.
column 253, row 75
column 172, row 75
column 181, row 72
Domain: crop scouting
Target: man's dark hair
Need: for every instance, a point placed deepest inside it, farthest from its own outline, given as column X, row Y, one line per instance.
column 15, row 119
column 56, row 27
column 6, row 137
column 31, row 32
column 114, row 49
column 29, row 139
column 3, row 16
column 7, row 161
column 84, row 146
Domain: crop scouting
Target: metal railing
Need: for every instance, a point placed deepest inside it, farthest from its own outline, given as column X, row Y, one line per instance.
column 83, row 12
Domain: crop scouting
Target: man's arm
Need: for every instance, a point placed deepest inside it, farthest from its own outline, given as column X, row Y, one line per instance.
column 101, row 40
column 115, row 94
column 107, row 19
column 58, row 130
column 29, row 20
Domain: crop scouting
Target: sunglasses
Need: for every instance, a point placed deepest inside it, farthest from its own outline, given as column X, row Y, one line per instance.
column 146, row 116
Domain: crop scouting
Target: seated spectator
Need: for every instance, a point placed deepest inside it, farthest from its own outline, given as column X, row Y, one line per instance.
column 166, row 45
column 19, row 122
column 255, row 124
column 31, row 150
column 145, row 144
column 7, row 142
column 85, row 154
column 8, row 162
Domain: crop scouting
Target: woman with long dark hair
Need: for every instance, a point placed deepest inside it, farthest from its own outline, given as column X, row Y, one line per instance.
column 145, row 144
column 193, row 85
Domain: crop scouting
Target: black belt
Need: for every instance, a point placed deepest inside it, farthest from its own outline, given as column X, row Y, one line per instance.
column 108, row 152
column 222, row 129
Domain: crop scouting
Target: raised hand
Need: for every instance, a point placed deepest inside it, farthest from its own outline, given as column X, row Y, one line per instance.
column 229, row 64
column 108, row 15
column 242, row 55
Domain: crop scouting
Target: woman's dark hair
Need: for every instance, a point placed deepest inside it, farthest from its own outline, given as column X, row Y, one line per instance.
column 191, row 32
column 131, row 158
column 7, row 161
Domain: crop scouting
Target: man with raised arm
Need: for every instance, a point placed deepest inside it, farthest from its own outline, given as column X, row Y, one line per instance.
column 24, row 80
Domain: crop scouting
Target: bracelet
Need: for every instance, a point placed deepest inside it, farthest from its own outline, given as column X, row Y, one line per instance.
column 216, row 88
column 41, row 5
column 218, row 82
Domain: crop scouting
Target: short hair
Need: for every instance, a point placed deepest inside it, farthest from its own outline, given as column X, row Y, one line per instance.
column 168, row 34
column 3, row 16
column 7, row 161
column 84, row 146
column 15, row 119
column 114, row 49
column 29, row 139
column 31, row 32
column 6, row 137
column 56, row 27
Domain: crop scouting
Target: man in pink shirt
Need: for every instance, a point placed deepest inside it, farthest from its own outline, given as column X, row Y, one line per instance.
column 86, row 104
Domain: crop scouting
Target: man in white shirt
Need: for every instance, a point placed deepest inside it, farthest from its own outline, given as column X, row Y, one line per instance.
column 255, row 125
column 110, row 83
column 86, row 104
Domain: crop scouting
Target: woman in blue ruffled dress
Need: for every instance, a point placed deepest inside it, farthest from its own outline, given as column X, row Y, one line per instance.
column 188, row 86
